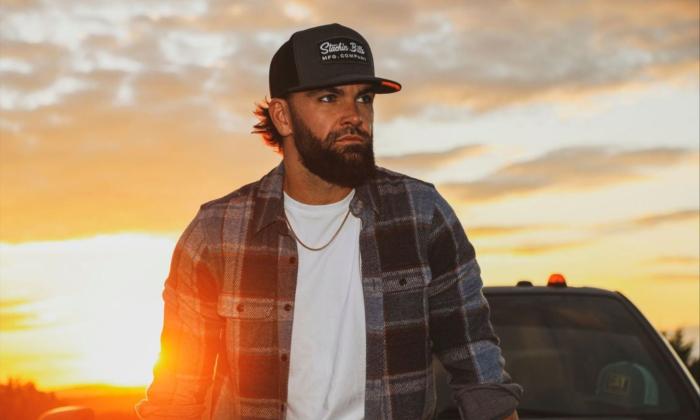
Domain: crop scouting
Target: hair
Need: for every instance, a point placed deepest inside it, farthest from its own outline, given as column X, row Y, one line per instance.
column 265, row 127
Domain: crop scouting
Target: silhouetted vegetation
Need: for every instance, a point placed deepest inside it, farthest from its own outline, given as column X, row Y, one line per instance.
column 22, row 401
column 684, row 350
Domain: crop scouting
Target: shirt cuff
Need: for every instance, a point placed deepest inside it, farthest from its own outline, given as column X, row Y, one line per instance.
column 488, row 401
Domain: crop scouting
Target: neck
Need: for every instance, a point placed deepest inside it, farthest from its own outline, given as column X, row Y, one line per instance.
column 308, row 188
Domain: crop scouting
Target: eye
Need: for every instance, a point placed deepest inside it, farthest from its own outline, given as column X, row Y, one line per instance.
column 366, row 98
column 327, row 98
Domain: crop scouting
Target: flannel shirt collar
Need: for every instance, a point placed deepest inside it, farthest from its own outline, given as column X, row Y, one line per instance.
column 270, row 198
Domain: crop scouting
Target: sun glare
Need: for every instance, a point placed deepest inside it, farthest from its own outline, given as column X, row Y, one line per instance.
column 93, row 309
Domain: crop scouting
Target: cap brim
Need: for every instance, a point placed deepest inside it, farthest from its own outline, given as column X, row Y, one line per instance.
column 380, row 85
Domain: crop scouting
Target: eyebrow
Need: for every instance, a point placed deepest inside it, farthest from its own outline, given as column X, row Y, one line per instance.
column 330, row 89
column 368, row 89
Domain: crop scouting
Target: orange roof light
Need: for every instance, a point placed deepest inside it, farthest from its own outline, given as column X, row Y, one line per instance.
column 556, row 280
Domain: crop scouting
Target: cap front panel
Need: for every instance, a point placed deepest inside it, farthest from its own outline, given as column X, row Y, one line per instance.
column 322, row 56
column 331, row 54
column 343, row 50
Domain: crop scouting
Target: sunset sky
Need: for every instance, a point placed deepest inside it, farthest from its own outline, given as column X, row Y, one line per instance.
column 564, row 134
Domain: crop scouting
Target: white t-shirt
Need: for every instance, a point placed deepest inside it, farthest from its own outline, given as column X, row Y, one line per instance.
column 327, row 359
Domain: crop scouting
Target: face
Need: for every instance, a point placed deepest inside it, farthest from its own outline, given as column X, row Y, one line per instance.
column 332, row 130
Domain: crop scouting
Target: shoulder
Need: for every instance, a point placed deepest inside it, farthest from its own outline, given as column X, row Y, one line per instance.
column 213, row 214
column 386, row 178
column 395, row 189
column 218, row 207
column 240, row 195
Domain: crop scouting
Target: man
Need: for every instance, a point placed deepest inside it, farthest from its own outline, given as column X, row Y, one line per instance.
column 322, row 290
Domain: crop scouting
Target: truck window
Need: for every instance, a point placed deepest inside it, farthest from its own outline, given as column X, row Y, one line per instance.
column 583, row 355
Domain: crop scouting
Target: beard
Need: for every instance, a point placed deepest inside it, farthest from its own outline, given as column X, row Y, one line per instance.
column 344, row 165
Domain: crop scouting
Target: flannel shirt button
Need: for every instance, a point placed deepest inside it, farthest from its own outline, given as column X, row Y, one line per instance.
column 402, row 282
column 292, row 260
column 284, row 357
column 288, row 307
column 239, row 307
column 282, row 406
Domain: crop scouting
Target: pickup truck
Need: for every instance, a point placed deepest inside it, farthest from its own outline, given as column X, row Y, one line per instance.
column 583, row 353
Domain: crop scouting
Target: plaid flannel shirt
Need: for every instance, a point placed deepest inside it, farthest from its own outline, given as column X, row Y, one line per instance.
column 229, row 305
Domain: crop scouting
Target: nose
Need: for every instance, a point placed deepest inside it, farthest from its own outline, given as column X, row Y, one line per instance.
column 351, row 114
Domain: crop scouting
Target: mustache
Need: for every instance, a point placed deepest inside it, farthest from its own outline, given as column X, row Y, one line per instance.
column 350, row 130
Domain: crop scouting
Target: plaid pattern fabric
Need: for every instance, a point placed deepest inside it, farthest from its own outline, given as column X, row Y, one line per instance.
column 229, row 303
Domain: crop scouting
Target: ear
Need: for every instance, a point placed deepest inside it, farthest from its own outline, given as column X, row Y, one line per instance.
column 281, row 118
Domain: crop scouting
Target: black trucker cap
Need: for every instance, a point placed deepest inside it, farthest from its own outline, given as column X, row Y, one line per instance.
column 327, row 55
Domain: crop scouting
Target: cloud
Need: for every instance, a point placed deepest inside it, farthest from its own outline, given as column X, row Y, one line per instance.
column 51, row 95
column 680, row 277
column 427, row 161
column 123, row 90
column 676, row 260
column 650, row 221
column 571, row 168
column 680, row 264
column 676, row 216
column 494, row 230
column 535, row 247
column 99, row 169
column 587, row 234
column 17, row 315
column 460, row 54
column 443, row 52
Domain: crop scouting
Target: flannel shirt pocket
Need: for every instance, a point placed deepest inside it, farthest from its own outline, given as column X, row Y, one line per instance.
column 403, row 283
column 237, row 307
column 405, row 299
column 250, row 336
column 406, row 327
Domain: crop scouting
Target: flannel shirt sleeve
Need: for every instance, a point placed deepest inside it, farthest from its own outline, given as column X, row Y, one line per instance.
column 190, row 336
column 462, row 336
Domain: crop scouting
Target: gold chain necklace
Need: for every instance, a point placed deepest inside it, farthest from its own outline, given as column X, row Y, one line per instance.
column 308, row 247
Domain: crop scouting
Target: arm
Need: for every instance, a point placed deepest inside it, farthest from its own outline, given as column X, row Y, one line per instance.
column 460, row 328
column 190, row 337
